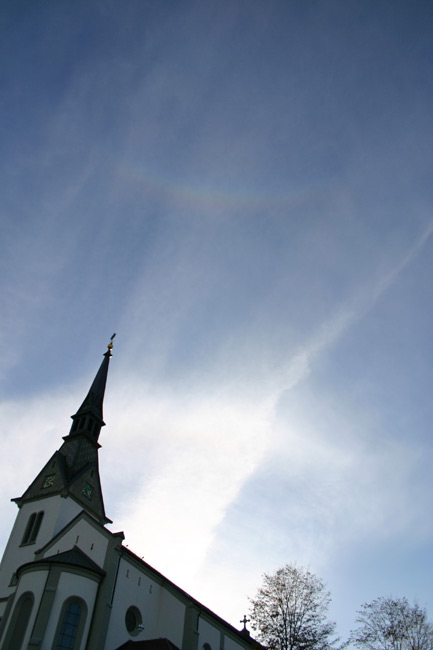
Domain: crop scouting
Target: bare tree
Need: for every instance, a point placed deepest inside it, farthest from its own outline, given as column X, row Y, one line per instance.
column 392, row 624
column 289, row 611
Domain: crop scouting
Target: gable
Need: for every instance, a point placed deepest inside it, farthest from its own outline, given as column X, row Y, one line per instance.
column 56, row 477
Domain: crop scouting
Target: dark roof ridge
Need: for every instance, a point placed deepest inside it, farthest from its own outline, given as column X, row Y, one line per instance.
column 149, row 644
column 74, row 556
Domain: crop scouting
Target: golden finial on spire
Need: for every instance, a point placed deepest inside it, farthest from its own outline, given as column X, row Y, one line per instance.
column 110, row 345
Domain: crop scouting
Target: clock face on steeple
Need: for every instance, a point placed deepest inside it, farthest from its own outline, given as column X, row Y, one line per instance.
column 87, row 491
column 48, row 481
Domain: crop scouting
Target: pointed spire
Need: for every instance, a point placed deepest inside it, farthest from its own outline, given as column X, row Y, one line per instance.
column 89, row 417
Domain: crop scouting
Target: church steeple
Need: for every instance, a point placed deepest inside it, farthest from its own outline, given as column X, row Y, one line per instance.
column 73, row 469
column 89, row 417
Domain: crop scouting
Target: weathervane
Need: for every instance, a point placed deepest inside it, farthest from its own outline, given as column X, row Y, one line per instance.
column 110, row 345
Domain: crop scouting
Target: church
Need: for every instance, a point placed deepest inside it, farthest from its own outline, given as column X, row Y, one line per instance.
column 69, row 583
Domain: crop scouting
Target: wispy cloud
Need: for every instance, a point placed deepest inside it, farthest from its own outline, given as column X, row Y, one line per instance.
column 176, row 459
column 363, row 300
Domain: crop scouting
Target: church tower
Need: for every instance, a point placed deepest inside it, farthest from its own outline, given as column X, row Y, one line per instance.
column 73, row 470
column 68, row 484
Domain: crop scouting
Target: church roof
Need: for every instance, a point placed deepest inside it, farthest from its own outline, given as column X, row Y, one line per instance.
column 95, row 397
column 150, row 644
column 92, row 406
column 74, row 557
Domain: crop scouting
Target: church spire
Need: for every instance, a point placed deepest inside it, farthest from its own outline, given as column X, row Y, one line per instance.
column 73, row 469
column 89, row 417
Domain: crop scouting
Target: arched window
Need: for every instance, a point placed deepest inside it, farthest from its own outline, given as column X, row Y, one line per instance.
column 32, row 528
column 71, row 625
column 19, row 622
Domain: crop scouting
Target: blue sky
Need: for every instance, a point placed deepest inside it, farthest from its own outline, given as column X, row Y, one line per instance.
column 242, row 190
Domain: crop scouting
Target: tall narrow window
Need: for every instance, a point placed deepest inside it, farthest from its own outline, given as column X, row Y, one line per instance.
column 35, row 530
column 71, row 625
column 28, row 529
column 19, row 622
column 32, row 528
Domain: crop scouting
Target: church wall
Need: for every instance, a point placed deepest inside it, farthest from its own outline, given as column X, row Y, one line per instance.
column 171, row 617
column 216, row 636
column 87, row 537
column 16, row 554
column 135, row 587
column 34, row 583
column 231, row 644
column 127, row 593
column 69, row 509
column 208, row 633
column 70, row 585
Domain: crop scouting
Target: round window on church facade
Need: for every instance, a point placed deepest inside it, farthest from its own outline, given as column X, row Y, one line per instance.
column 133, row 620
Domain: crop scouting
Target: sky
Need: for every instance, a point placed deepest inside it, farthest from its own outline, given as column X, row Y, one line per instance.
column 241, row 189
